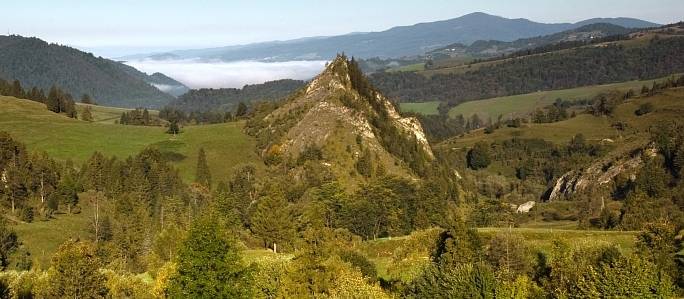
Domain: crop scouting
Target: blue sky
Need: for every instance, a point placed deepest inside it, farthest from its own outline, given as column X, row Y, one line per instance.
column 112, row 28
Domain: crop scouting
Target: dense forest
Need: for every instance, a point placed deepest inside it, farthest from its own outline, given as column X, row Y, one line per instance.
column 37, row 63
column 227, row 99
column 578, row 67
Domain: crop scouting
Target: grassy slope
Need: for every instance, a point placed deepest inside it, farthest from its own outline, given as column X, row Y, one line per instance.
column 521, row 105
column 427, row 108
column 106, row 115
column 64, row 138
column 668, row 105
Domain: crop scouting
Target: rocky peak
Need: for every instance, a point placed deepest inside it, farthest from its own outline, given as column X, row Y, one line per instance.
column 340, row 108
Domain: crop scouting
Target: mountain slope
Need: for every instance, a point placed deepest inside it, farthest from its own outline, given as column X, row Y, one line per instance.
column 395, row 42
column 340, row 116
column 489, row 48
column 37, row 63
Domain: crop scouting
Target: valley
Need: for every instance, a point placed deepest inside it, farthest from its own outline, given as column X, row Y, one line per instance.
column 474, row 157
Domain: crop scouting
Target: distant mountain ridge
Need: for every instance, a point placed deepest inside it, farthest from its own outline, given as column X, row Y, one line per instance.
column 402, row 41
column 34, row 62
column 489, row 48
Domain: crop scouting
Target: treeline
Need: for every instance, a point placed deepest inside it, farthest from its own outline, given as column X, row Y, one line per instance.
column 56, row 100
column 227, row 99
column 171, row 114
column 578, row 67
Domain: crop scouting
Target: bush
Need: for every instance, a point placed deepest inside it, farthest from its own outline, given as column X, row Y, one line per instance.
column 27, row 214
column 478, row 156
column 644, row 108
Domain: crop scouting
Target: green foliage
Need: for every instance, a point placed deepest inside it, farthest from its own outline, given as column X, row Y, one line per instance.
column 361, row 262
column 8, row 243
column 459, row 281
column 272, row 221
column 478, row 156
column 457, row 245
column 557, row 70
column 109, row 82
column 202, row 176
column 364, row 165
column 209, row 265
column 74, row 272
column 644, row 109
column 657, row 243
column 227, row 99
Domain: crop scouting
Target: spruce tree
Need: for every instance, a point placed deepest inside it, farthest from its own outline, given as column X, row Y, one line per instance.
column 52, row 101
column 202, row 176
column 209, row 265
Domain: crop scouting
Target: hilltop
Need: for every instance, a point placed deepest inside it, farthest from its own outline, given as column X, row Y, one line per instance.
column 341, row 120
column 37, row 63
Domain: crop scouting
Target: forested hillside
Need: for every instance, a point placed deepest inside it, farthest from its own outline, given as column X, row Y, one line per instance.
column 37, row 63
column 492, row 48
column 227, row 99
column 556, row 70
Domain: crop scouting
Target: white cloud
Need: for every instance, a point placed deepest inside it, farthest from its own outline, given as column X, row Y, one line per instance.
column 201, row 74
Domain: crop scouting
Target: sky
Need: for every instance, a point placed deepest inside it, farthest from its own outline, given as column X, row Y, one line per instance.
column 124, row 27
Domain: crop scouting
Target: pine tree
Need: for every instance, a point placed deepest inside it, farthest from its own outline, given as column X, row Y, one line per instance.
column 272, row 221
column 209, row 265
column 52, row 101
column 17, row 90
column 202, row 176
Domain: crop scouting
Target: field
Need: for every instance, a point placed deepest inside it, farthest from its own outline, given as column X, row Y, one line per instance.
column 64, row 138
column 521, row 105
column 106, row 115
column 427, row 108
column 668, row 105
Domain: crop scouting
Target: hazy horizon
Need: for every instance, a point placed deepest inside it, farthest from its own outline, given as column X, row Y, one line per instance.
column 158, row 26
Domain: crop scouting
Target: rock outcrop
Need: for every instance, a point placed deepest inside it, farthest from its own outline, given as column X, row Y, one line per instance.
column 598, row 174
column 339, row 110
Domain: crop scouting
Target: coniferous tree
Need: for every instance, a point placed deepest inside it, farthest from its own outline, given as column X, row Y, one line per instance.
column 209, row 265
column 202, row 175
column 272, row 221
column 241, row 110
column 52, row 101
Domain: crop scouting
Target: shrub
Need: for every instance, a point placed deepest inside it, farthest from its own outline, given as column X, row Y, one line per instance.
column 478, row 156
column 27, row 214
column 644, row 108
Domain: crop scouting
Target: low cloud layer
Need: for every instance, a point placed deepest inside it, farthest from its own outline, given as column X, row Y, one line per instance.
column 199, row 74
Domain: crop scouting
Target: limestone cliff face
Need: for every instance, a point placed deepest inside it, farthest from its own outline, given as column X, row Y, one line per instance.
column 598, row 174
column 341, row 118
